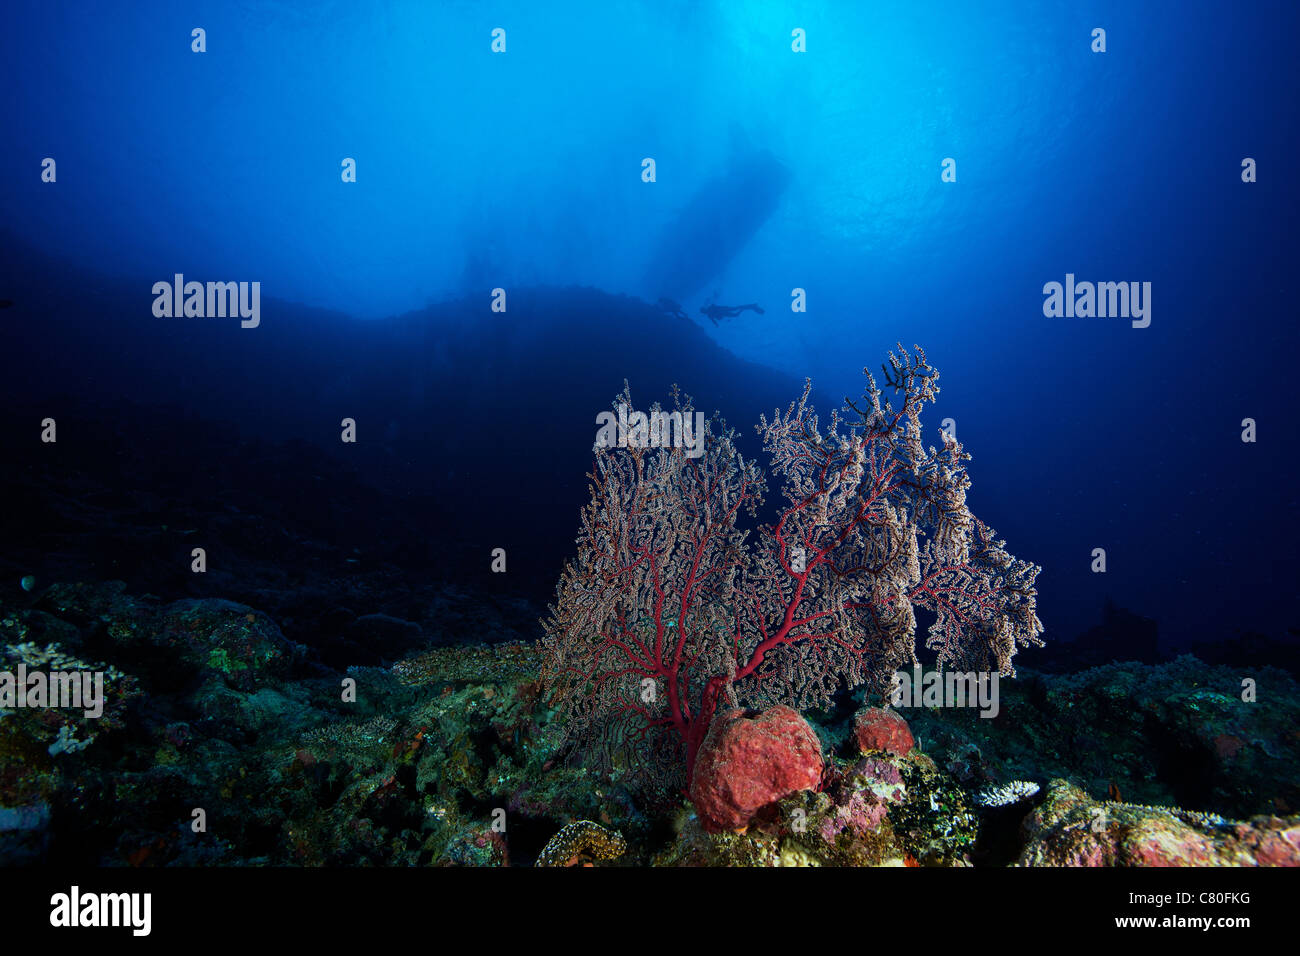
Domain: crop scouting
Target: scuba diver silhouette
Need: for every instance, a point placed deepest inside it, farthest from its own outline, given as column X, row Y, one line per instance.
column 716, row 312
column 669, row 307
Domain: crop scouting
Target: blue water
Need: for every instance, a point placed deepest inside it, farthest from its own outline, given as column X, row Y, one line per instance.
column 478, row 170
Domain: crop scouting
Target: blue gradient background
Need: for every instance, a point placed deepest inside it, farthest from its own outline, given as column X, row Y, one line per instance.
column 1124, row 166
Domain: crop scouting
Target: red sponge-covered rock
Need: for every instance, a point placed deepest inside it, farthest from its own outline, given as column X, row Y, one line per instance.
column 745, row 763
column 879, row 728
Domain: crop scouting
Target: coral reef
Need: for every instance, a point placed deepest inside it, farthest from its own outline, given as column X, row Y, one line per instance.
column 451, row 757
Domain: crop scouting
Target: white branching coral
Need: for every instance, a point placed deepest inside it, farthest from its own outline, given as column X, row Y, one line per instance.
column 1013, row 792
column 49, row 667
column 67, row 742
column 52, row 657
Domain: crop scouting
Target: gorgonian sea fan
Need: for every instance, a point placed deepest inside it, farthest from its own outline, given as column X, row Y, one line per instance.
column 671, row 605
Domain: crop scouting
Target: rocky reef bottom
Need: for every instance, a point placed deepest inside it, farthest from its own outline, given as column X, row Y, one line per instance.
column 221, row 742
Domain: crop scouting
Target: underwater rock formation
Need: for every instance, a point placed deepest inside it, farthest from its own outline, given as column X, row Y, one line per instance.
column 1072, row 829
column 1180, row 733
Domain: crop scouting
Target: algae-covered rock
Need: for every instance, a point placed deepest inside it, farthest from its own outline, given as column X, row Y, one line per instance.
column 1072, row 829
column 1210, row 738
column 240, row 644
